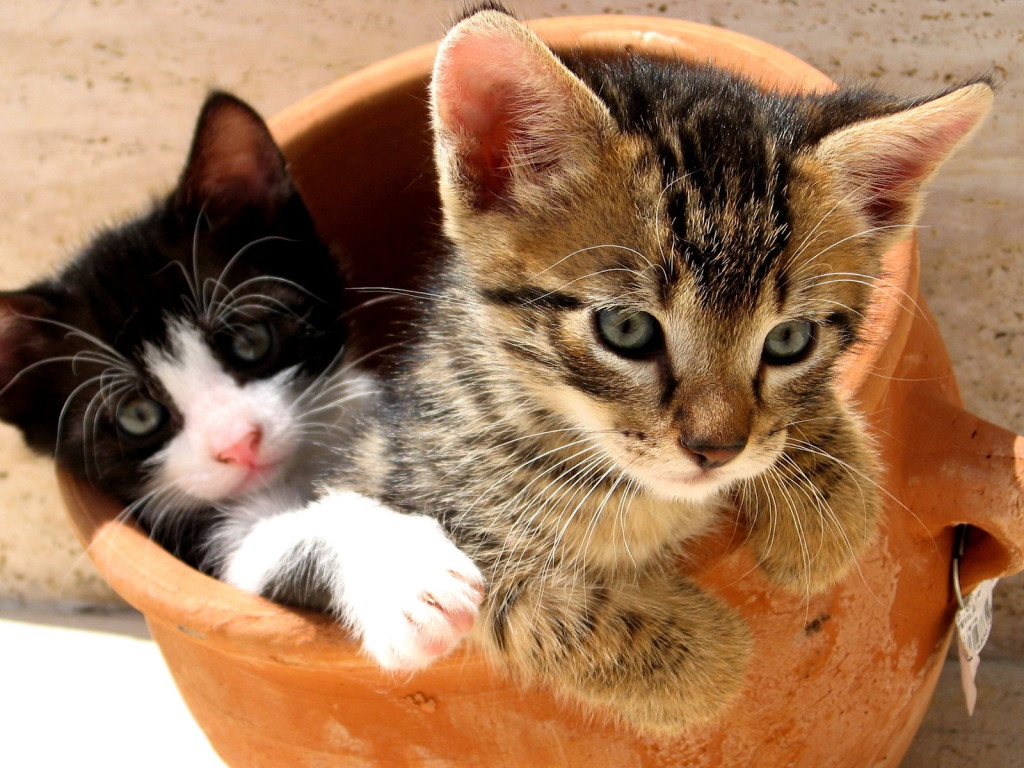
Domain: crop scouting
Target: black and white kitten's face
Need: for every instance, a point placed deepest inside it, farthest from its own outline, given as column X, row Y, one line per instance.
column 175, row 361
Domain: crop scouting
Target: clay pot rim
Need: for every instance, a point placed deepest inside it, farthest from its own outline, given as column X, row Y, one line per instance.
column 175, row 595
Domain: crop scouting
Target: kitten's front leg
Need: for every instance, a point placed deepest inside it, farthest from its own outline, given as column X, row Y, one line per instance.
column 653, row 649
column 406, row 591
column 814, row 511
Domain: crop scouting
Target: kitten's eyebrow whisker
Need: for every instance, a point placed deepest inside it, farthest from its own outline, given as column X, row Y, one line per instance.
column 575, row 280
column 74, row 332
column 275, row 279
column 235, row 298
column 234, row 260
column 856, row 278
column 193, row 283
column 854, row 236
column 48, row 361
column 807, row 238
column 677, row 180
column 836, row 303
column 585, row 250
column 252, row 307
column 93, row 357
column 393, row 292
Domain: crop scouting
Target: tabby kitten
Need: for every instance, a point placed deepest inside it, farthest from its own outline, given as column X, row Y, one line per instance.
column 186, row 363
column 655, row 268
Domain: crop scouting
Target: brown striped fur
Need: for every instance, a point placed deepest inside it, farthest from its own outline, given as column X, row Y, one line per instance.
column 575, row 185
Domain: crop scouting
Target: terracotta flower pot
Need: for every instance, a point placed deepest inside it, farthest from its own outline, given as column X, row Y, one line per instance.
column 840, row 679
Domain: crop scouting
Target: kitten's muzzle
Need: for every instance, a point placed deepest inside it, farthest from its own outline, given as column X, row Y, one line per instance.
column 714, row 421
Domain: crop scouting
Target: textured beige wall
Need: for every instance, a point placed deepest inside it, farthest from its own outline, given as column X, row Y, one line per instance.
column 97, row 102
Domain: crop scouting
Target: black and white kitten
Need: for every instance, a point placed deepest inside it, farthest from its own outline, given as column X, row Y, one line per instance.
column 186, row 363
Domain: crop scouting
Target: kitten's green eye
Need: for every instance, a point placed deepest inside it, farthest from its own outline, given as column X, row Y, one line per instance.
column 140, row 416
column 628, row 333
column 251, row 343
column 788, row 342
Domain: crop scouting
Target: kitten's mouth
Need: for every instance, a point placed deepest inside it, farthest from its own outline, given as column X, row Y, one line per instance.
column 679, row 478
column 696, row 476
column 257, row 475
column 694, row 484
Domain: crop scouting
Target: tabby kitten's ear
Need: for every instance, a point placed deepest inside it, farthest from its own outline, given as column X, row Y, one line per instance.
column 234, row 163
column 512, row 124
column 884, row 163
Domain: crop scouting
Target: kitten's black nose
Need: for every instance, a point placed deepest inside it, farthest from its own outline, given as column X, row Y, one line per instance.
column 711, row 456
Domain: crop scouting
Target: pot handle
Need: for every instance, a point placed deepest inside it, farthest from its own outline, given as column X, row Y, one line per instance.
column 963, row 470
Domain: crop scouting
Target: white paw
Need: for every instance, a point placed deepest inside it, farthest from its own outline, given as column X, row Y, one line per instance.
column 397, row 580
column 420, row 597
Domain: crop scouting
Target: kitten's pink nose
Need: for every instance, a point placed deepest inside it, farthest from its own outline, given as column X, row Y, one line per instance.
column 244, row 452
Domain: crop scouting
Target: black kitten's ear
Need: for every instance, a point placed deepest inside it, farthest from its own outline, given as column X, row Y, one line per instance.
column 884, row 163
column 234, row 163
column 22, row 343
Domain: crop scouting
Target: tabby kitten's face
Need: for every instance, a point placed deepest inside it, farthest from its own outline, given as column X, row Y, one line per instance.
column 173, row 360
column 670, row 261
column 689, row 372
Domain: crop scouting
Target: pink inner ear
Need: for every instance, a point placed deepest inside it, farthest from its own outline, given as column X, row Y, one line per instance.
column 234, row 162
column 894, row 185
column 481, row 119
column 929, row 148
column 237, row 156
column 895, row 171
column 487, row 90
column 18, row 334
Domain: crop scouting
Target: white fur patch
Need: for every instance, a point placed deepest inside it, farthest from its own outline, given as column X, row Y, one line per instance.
column 396, row 580
column 217, row 413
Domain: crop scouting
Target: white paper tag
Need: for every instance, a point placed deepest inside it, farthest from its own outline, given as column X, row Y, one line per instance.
column 973, row 624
